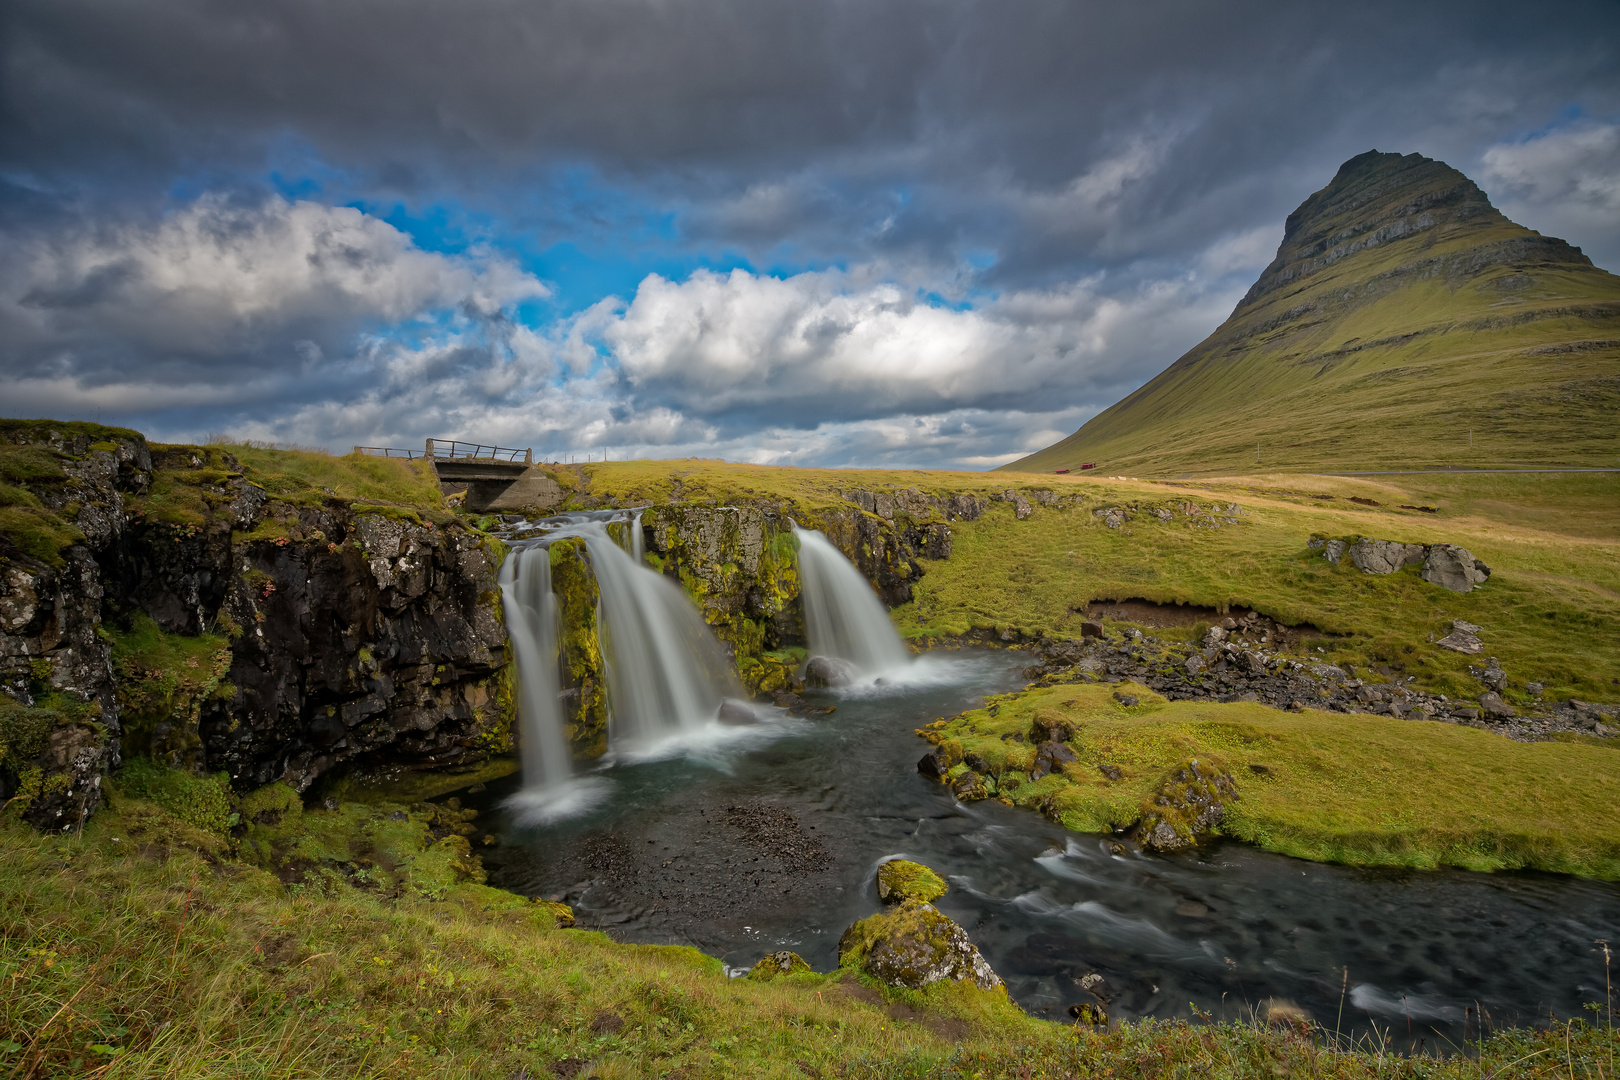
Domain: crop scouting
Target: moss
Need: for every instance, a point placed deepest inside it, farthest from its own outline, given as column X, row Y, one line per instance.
column 163, row 682
column 580, row 647
column 24, row 732
column 203, row 802
column 777, row 965
column 900, row 879
column 40, row 533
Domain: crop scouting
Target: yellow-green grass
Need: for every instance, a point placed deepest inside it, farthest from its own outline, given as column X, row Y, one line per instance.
column 1360, row 789
column 143, row 949
column 179, row 493
column 1551, row 609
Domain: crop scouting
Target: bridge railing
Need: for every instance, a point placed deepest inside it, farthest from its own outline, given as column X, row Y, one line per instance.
column 388, row 451
column 453, row 448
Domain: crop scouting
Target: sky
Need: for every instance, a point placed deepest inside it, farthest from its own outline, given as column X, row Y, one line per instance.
column 886, row 233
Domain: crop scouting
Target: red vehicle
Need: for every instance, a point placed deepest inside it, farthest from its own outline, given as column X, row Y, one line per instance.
column 1089, row 465
column 1060, row 472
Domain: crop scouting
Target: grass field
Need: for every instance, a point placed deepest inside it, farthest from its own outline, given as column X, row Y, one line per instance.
column 144, row 948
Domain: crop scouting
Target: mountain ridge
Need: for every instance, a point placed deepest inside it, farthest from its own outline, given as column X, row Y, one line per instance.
column 1404, row 321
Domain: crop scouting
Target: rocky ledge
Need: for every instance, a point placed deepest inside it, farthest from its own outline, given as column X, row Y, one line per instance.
column 1238, row 661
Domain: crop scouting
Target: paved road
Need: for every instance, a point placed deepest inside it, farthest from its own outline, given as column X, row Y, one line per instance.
column 1415, row 472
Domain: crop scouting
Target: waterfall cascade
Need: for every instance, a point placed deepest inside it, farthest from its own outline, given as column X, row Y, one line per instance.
column 666, row 674
column 842, row 615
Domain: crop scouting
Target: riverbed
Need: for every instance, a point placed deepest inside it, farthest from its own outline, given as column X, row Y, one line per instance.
column 771, row 840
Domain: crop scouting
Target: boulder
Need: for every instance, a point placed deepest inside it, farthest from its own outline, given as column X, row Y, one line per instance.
column 1049, row 725
column 914, row 946
column 1050, row 757
column 1091, row 629
column 941, row 760
column 1188, row 805
column 963, row 508
column 1462, row 639
column 776, row 964
column 1452, row 567
column 970, row 787
column 737, row 713
column 1493, row 705
column 900, row 879
column 936, row 542
column 1333, row 551
column 1384, row 556
column 829, row 671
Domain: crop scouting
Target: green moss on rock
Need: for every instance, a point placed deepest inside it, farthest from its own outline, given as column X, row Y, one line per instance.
column 914, row 946
column 580, row 647
column 900, row 879
column 776, row 964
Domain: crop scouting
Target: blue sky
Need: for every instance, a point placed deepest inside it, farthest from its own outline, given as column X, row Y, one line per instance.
column 916, row 232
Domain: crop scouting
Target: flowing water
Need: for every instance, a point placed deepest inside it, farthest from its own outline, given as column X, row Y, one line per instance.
column 774, row 844
column 745, row 840
column 842, row 615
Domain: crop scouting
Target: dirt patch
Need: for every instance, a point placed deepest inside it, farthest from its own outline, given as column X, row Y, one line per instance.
column 607, row 1023
column 1148, row 613
column 851, row 988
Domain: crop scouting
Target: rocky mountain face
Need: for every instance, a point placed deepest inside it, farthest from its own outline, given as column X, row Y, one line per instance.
column 1404, row 322
column 308, row 633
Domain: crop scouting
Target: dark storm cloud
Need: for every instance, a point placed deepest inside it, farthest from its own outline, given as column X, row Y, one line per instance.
column 1029, row 207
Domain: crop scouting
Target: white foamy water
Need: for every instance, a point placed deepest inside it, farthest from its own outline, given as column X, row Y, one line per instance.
column 843, row 617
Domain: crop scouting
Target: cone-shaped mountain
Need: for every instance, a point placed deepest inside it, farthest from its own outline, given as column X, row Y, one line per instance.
column 1405, row 323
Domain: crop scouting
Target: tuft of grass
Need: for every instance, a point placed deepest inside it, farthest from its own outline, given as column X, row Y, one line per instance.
column 1360, row 789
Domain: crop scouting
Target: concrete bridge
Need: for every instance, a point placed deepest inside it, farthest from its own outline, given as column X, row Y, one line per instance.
column 494, row 478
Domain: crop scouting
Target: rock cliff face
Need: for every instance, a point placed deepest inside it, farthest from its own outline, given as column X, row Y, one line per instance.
column 320, row 632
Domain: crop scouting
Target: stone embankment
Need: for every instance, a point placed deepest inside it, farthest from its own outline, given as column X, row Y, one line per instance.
column 1236, row 661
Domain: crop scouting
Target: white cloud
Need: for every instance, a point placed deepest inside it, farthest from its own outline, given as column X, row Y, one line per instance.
column 1564, row 182
column 281, row 279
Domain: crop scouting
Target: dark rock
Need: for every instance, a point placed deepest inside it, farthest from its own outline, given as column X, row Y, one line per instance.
column 1187, row 806
column 737, row 713
column 1494, row 706
column 829, row 671
column 1091, row 629
column 1049, row 725
column 1050, row 757
column 1384, row 556
column 1112, row 772
column 776, row 964
column 940, row 760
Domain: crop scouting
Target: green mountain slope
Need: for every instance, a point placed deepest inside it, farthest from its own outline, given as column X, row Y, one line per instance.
column 1403, row 318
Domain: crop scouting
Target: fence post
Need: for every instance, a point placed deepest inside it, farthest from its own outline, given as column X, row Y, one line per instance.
column 528, row 456
column 430, row 448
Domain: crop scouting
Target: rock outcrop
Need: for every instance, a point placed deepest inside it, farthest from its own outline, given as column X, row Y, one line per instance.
column 312, row 632
column 900, row 879
column 914, row 946
column 1447, row 565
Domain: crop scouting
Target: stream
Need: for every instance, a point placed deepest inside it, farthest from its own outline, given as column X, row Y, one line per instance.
column 770, row 838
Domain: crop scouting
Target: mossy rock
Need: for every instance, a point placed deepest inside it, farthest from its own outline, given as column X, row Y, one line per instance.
column 914, row 946
column 772, row 965
column 900, row 879
column 561, row 913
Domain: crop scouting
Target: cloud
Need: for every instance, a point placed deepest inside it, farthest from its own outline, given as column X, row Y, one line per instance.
column 1564, row 181
column 817, row 346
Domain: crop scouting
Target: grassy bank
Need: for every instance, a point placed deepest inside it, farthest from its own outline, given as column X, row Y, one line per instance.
column 1367, row 790
column 146, row 948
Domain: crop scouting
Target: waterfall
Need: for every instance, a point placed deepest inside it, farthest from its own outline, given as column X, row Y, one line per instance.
column 531, row 623
column 842, row 615
column 637, row 540
column 665, row 670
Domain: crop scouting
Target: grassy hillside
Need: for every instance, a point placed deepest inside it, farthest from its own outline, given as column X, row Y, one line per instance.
column 1405, row 323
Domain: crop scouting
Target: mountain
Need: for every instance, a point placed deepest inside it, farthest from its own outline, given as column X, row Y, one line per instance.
column 1405, row 323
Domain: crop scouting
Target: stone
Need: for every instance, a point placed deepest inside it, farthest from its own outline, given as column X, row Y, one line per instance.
column 937, row 541
column 1384, row 556
column 1112, row 772
column 915, row 946
column 737, row 713
column 1461, row 641
column 1091, row 629
column 1050, row 757
column 1214, row 636
column 900, row 879
column 776, row 964
column 1333, row 551
column 1188, row 805
column 1491, row 675
column 940, row 760
column 1049, row 725
column 1465, row 627
column 1493, row 705
column 1127, row 700
column 964, row 508
column 1194, row 664
column 1452, row 567
column 1534, row 687
column 829, row 671
column 970, row 787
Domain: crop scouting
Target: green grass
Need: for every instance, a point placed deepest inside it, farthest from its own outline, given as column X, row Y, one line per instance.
column 145, row 949
column 1360, row 789
column 163, row 681
column 1551, row 609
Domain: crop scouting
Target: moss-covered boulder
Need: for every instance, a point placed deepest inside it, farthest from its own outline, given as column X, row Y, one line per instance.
column 1188, row 805
column 773, row 965
column 901, row 879
column 580, row 647
column 914, row 946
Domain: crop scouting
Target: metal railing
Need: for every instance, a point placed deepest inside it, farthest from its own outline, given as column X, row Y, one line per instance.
column 388, row 451
column 452, row 448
